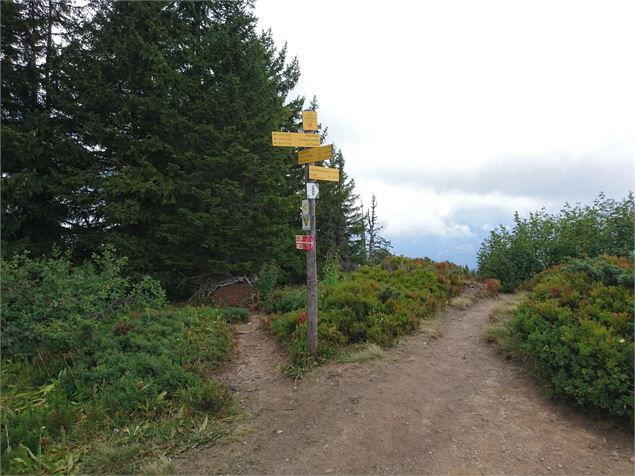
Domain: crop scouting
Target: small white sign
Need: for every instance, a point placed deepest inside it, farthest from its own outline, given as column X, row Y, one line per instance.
column 312, row 190
column 305, row 207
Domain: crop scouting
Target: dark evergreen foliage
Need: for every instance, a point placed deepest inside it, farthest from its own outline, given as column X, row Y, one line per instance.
column 340, row 221
column 147, row 126
column 38, row 153
column 191, row 185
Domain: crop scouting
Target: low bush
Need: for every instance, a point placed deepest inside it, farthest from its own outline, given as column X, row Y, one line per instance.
column 268, row 280
column 576, row 328
column 285, row 300
column 87, row 353
column 331, row 271
column 375, row 304
column 54, row 309
column 207, row 396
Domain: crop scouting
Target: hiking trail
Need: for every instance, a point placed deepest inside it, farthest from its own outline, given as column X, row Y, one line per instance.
column 447, row 405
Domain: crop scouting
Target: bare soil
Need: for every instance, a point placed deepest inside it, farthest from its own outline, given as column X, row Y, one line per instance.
column 237, row 295
column 449, row 405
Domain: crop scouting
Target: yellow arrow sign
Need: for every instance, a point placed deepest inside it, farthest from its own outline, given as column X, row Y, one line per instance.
column 316, row 154
column 309, row 120
column 294, row 139
column 324, row 173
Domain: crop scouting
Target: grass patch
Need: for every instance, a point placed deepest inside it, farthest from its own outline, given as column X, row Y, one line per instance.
column 361, row 354
column 499, row 332
column 162, row 466
column 242, row 431
column 432, row 327
column 503, row 312
column 507, row 343
column 460, row 302
column 119, row 458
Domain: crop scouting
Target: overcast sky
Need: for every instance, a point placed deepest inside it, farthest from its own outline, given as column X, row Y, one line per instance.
column 458, row 113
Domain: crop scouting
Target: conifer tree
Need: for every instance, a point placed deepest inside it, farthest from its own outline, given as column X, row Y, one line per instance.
column 378, row 246
column 340, row 221
column 147, row 125
column 37, row 149
column 182, row 126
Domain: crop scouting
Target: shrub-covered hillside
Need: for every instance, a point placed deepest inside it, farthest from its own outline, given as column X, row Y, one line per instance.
column 576, row 328
column 375, row 304
column 98, row 372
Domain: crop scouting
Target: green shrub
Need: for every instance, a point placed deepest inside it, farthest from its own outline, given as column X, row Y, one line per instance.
column 576, row 327
column 331, row 271
column 375, row 304
column 514, row 255
column 268, row 280
column 207, row 396
column 52, row 308
column 282, row 326
column 139, row 357
column 285, row 300
column 87, row 353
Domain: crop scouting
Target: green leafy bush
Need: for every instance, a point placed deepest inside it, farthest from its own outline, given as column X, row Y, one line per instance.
column 140, row 356
column 331, row 271
column 52, row 308
column 207, row 396
column 268, row 280
column 86, row 353
column 514, row 255
column 376, row 304
column 576, row 327
column 285, row 300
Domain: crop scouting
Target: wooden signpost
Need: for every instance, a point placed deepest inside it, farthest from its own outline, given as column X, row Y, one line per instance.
column 307, row 242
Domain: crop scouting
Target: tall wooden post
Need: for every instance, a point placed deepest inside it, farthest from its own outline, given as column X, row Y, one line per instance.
column 311, row 274
column 314, row 153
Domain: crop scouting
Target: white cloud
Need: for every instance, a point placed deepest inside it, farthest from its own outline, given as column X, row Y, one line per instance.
column 458, row 111
column 408, row 211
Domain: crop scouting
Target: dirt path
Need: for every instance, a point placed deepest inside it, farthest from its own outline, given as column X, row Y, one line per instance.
column 436, row 406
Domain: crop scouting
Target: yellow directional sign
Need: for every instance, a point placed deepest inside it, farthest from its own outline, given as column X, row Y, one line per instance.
column 316, row 154
column 294, row 139
column 324, row 173
column 309, row 120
